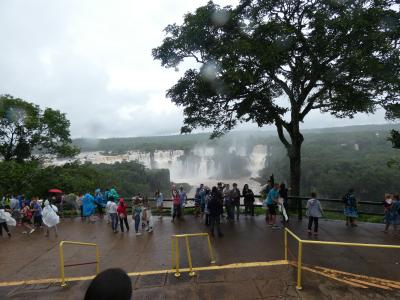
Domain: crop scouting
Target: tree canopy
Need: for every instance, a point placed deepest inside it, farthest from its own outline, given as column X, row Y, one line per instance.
column 32, row 179
column 274, row 61
column 26, row 131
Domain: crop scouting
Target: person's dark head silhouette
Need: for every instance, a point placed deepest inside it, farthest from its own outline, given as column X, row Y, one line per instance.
column 109, row 285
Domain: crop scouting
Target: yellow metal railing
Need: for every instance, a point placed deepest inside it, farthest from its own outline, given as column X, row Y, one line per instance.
column 63, row 265
column 302, row 242
column 175, row 251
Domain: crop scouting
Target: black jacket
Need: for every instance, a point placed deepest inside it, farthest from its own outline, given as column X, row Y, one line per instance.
column 248, row 196
column 215, row 206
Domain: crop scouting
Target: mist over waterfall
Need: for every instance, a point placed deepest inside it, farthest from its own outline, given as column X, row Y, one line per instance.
column 257, row 159
column 206, row 164
column 203, row 163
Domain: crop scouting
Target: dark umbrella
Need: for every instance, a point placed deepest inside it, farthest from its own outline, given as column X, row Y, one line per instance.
column 55, row 191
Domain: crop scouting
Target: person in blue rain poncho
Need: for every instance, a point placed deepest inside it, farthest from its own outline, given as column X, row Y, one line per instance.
column 100, row 201
column 88, row 207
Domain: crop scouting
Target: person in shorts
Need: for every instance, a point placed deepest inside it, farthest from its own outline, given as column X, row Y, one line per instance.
column 272, row 201
column 27, row 218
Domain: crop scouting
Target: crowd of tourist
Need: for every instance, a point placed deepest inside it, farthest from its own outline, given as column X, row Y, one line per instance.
column 220, row 202
column 30, row 214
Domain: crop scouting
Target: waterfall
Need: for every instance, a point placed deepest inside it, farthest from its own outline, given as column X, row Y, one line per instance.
column 257, row 159
column 201, row 164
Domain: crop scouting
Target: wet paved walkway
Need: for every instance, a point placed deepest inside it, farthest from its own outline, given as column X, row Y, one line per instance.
column 249, row 240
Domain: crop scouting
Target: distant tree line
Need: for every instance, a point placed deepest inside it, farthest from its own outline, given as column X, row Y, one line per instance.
column 32, row 179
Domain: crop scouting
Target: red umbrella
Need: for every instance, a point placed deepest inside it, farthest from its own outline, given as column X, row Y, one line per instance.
column 56, row 191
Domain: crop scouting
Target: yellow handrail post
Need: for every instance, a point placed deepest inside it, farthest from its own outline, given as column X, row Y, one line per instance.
column 177, row 274
column 62, row 261
column 210, row 249
column 63, row 283
column 299, row 262
column 97, row 260
column 173, row 252
column 286, row 246
column 191, row 273
column 326, row 243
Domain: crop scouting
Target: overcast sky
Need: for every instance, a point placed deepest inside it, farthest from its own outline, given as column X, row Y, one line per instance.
column 92, row 60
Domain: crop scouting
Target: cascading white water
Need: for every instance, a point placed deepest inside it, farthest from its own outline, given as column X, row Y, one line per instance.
column 257, row 159
column 196, row 166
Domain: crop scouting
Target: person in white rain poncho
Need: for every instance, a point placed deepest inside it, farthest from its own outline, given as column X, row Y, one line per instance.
column 50, row 217
column 5, row 221
column 147, row 216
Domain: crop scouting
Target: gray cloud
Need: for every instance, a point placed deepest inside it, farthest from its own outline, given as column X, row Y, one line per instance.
column 92, row 60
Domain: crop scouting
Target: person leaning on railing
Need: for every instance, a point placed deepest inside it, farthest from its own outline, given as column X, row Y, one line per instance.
column 350, row 208
column 391, row 207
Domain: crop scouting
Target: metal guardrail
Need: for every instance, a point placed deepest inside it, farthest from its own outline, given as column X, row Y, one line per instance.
column 63, row 265
column 296, row 202
column 176, row 254
column 303, row 242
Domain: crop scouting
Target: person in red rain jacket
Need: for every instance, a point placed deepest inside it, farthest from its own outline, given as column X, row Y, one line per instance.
column 123, row 214
column 176, row 201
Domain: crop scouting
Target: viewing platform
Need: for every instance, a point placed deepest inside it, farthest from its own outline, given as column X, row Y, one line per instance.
column 249, row 262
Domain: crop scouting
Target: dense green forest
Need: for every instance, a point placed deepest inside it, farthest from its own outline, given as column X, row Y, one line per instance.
column 333, row 162
column 32, row 179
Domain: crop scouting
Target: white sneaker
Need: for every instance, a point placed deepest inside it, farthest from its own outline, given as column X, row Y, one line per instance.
column 32, row 231
column 150, row 230
column 138, row 233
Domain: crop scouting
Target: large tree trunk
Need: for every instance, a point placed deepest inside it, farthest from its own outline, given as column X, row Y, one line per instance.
column 295, row 170
column 294, row 153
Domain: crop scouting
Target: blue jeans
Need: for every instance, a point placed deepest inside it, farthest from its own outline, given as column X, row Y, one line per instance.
column 114, row 221
column 137, row 222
